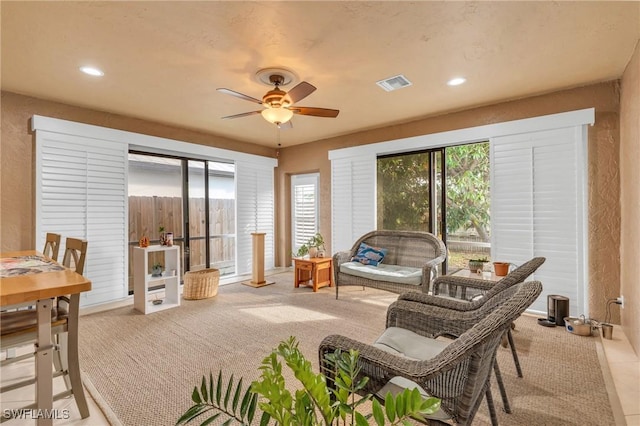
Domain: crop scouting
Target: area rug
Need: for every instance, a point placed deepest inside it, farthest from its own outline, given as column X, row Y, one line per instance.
column 144, row 367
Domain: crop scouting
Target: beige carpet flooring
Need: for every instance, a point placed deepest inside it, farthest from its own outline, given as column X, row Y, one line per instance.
column 145, row 367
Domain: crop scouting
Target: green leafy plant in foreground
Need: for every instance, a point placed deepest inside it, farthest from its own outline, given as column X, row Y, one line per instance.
column 316, row 403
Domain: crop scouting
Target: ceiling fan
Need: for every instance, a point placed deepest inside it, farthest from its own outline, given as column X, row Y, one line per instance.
column 278, row 104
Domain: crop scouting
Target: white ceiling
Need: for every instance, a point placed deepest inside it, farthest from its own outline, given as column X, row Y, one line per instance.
column 164, row 60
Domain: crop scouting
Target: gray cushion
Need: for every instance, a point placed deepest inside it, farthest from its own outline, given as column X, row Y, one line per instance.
column 406, row 343
column 401, row 341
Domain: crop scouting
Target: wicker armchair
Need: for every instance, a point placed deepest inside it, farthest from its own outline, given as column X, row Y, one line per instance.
column 420, row 252
column 459, row 288
column 458, row 373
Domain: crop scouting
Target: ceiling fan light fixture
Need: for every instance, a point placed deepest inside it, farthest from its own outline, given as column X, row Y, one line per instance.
column 277, row 115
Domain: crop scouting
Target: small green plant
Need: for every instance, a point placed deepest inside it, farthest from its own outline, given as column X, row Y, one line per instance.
column 303, row 250
column 316, row 241
column 477, row 265
column 156, row 269
column 316, row 403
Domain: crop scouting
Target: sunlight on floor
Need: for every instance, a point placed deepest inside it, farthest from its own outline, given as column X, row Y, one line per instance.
column 379, row 301
column 280, row 314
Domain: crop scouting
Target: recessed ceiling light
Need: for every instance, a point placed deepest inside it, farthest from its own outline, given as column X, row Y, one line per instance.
column 456, row 81
column 92, row 71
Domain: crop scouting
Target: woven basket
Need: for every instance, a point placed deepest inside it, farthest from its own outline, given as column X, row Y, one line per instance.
column 201, row 284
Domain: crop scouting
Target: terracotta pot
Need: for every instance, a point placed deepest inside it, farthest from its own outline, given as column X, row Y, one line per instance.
column 501, row 268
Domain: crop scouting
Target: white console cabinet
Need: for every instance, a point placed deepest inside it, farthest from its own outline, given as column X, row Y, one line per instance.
column 143, row 279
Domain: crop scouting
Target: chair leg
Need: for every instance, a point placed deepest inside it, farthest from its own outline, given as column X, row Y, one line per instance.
column 73, row 358
column 492, row 408
column 503, row 391
column 514, row 353
column 61, row 357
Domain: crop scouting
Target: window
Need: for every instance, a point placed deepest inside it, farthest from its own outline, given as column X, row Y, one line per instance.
column 304, row 208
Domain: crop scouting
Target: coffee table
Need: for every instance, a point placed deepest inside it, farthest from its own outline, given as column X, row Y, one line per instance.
column 315, row 272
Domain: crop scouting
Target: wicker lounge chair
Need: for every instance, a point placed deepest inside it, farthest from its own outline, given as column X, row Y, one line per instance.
column 458, row 373
column 461, row 297
column 410, row 262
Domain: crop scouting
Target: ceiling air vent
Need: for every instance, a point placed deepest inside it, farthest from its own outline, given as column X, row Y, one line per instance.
column 394, row 83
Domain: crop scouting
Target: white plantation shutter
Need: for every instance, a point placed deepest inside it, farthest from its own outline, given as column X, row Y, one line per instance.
column 81, row 193
column 255, row 213
column 538, row 208
column 304, row 203
column 353, row 199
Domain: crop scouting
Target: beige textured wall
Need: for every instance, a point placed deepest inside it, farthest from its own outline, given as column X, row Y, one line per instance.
column 17, row 218
column 630, row 199
column 604, row 189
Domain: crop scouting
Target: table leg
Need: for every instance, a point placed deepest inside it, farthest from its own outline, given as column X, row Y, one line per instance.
column 330, row 274
column 44, row 359
column 296, row 279
column 315, row 277
column 72, row 356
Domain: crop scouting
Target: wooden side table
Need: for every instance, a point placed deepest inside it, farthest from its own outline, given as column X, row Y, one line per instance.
column 316, row 272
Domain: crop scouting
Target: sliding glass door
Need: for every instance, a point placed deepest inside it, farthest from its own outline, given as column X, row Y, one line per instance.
column 193, row 199
column 444, row 191
column 468, row 221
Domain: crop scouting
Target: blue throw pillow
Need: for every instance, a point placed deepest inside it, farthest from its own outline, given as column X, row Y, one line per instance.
column 368, row 255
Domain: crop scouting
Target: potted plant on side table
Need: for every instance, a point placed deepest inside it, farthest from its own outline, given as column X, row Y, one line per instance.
column 302, row 251
column 316, row 246
column 476, row 265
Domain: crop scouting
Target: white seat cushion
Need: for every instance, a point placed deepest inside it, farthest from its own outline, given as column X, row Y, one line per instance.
column 392, row 273
column 406, row 343
column 401, row 341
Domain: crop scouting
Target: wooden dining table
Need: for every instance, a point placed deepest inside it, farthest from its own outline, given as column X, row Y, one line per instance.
column 29, row 276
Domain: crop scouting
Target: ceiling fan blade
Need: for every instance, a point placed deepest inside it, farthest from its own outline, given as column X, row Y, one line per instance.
column 239, row 95
column 244, row 114
column 301, row 91
column 316, row 112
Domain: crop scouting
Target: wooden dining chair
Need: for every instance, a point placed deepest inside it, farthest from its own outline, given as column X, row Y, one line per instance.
column 51, row 249
column 52, row 246
column 19, row 328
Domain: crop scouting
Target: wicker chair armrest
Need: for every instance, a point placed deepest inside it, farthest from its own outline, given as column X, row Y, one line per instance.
column 462, row 282
column 443, row 302
column 340, row 258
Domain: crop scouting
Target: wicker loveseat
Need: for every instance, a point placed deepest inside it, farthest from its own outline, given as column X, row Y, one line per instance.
column 409, row 264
